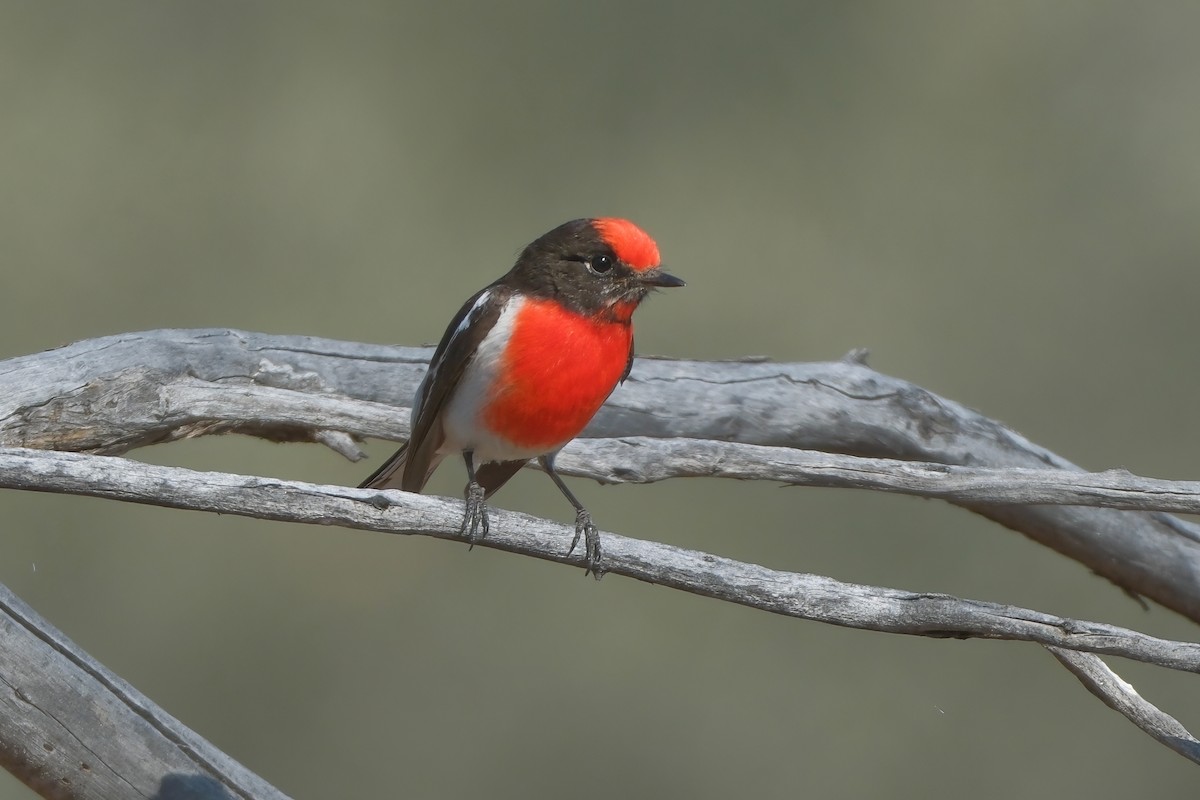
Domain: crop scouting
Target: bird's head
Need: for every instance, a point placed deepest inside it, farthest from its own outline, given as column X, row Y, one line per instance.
column 603, row 266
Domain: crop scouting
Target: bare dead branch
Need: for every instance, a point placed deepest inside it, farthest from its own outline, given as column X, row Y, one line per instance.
column 645, row 460
column 71, row 729
column 810, row 597
column 113, row 394
column 743, row 420
column 1118, row 695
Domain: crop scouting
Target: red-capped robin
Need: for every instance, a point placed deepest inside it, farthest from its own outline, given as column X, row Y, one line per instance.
column 527, row 362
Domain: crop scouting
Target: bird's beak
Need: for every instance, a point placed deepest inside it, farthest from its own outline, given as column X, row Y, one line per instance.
column 656, row 277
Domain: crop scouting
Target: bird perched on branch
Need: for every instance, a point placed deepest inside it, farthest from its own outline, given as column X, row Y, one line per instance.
column 525, row 364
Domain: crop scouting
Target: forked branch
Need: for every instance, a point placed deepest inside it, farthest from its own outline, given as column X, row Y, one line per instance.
column 113, row 394
column 836, row 424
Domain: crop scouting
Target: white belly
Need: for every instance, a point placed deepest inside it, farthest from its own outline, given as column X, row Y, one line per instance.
column 461, row 420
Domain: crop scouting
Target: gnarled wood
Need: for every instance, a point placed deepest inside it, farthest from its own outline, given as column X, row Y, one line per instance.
column 113, row 394
column 745, row 420
column 69, row 728
column 811, row 597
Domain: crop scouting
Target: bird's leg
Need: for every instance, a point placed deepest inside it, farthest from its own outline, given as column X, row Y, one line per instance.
column 475, row 516
column 583, row 523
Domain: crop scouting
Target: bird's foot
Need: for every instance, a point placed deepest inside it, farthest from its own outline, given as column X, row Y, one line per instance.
column 585, row 528
column 475, row 517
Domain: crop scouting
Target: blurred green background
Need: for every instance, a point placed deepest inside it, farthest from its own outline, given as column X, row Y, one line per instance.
column 999, row 199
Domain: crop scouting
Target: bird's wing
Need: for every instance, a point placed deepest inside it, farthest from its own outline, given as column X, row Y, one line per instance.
column 410, row 467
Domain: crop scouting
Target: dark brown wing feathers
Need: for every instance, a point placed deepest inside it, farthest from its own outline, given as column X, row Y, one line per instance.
column 409, row 467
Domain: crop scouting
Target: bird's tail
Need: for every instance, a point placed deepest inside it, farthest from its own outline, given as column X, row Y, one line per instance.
column 390, row 473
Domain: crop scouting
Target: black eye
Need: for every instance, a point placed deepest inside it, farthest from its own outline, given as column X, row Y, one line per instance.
column 600, row 264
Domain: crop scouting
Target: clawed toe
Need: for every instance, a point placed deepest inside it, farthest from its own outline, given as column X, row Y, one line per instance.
column 586, row 529
column 475, row 516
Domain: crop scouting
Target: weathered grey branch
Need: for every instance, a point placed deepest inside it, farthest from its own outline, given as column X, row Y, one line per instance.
column 642, row 459
column 742, row 420
column 811, row 597
column 113, row 394
column 69, row 728
column 1118, row 695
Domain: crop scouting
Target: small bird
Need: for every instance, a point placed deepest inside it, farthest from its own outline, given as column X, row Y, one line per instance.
column 527, row 362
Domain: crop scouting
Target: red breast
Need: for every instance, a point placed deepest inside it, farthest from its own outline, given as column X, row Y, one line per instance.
column 558, row 368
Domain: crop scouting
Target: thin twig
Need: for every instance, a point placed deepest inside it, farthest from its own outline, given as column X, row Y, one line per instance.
column 1118, row 695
